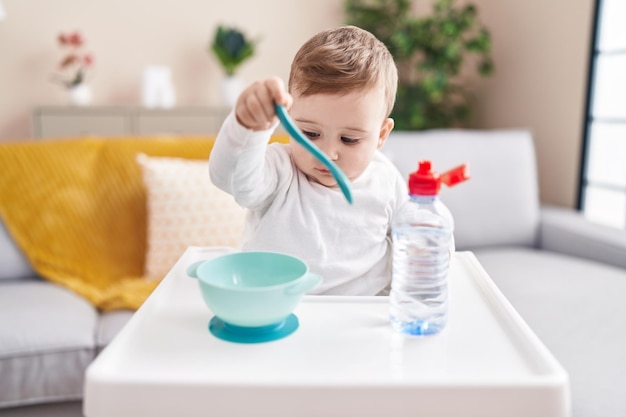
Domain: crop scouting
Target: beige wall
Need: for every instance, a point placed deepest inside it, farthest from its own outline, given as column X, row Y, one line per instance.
column 540, row 49
column 127, row 35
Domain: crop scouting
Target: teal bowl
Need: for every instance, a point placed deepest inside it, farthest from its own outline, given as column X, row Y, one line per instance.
column 253, row 289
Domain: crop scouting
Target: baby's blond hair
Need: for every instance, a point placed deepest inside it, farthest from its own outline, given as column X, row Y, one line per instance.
column 342, row 60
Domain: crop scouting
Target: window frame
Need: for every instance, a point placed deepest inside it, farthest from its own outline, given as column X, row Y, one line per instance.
column 589, row 119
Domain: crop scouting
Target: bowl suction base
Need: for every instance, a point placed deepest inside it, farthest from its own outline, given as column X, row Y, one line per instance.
column 239, row 334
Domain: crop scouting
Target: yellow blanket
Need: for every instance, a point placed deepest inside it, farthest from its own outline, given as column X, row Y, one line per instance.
column 77, row 209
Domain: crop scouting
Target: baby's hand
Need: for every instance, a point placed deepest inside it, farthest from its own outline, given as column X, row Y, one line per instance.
column 255, row 105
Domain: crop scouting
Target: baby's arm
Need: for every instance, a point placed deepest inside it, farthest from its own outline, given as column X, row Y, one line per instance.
column 238, row 163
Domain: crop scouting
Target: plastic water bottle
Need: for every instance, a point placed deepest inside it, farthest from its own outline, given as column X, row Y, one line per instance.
column 422, row 233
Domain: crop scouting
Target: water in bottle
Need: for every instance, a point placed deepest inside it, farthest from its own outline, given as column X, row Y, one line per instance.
column 422, row 233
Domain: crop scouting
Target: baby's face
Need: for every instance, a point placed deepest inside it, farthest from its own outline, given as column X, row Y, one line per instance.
column 347, row 128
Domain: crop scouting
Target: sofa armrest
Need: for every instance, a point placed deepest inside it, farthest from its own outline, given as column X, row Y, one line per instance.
column 569, row 232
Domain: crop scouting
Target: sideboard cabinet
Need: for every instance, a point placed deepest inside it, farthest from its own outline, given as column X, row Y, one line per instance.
column 68, row 121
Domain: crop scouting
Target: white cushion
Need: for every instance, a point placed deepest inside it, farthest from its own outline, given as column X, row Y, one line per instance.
column 499, row 205
column 12, row 261
column 184, row 209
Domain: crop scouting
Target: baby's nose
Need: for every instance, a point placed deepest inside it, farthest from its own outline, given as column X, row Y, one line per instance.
column 328, row 148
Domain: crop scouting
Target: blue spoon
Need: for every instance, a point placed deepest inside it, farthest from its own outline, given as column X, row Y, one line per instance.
column 294, row 132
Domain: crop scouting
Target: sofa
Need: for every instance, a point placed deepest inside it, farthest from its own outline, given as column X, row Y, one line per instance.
column 76, row 206
column 564, row 275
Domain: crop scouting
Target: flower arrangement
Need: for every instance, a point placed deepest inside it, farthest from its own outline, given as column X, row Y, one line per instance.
column 75, row 62
column 232, row 48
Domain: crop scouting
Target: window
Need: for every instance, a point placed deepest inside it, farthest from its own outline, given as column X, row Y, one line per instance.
column 602, row 195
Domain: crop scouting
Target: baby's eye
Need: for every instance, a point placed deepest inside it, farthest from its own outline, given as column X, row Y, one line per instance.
column 349, row 141
column 311, row 134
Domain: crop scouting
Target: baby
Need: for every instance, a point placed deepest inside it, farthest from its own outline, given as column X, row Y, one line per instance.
column 341, row 91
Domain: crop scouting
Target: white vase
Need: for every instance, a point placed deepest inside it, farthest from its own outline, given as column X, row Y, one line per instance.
column 158, row 89
column 80, row 95
column 231, row 88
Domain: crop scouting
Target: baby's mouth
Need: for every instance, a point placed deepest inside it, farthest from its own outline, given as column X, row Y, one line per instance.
column 323, row 171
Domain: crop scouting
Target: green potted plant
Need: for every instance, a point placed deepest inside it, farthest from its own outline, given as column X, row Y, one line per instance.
column 232, row 48
column 430, row 52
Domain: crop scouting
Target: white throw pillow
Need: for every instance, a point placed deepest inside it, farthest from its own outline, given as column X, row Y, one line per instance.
column 184, row 209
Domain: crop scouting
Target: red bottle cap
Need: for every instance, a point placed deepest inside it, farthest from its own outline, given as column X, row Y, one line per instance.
column 425, row 181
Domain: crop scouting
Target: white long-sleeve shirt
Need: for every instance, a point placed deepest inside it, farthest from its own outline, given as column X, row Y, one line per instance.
column 349, row 246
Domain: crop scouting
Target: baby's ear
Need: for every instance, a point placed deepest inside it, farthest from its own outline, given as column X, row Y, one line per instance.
column 385, row 130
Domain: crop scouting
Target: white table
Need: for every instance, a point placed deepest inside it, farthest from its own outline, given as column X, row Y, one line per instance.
column 343, row 360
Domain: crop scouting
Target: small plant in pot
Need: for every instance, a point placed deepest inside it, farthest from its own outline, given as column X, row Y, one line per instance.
column 431, row 52
column 232, row 48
